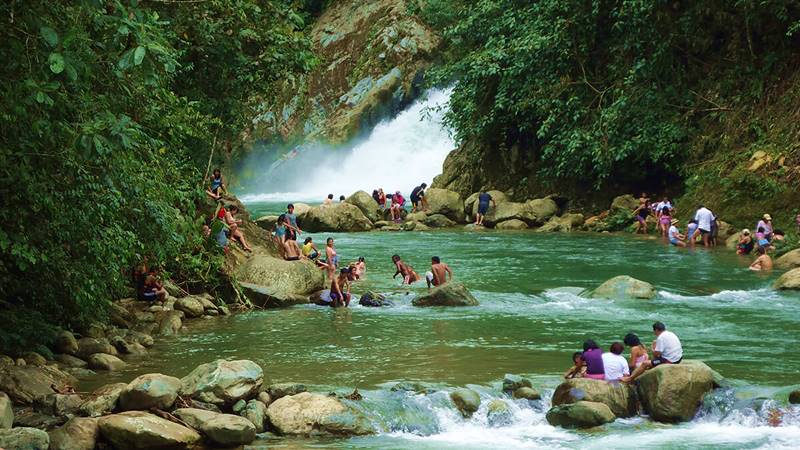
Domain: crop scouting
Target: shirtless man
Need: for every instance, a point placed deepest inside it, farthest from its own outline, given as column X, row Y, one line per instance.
column 763, row 262
column 409, row 276
column 438, row 274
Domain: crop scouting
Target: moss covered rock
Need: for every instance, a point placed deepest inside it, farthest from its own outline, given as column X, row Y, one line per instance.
column 580, row 414
column 619, row 397
column 673, row 392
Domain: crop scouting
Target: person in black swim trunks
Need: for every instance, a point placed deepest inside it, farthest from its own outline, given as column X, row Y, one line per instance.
column 484, row 199
column 417, row 197
column 642, row 212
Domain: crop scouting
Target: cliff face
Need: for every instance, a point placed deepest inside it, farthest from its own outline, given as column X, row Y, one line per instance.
column 371, row 57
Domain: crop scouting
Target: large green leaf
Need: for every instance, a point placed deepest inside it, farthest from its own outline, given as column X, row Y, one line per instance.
column 56, row 61
column 138, row 55
column 50, row 36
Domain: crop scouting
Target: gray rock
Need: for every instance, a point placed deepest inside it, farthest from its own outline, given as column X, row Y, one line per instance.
column 135, row 430
column 24, row 439
column 623, row 287
column 70, row 361
column 170, row 323
column 513, row 382
column 449, row 294
column 527, row 393
column 103, row 400
column 77, row 434
column 581, row 414
column 6, row 412
column 66, row 343
column 264, row 398
column 191, row 306
column 438, row 221
column 467, row 401
column 89, row 346
column 34, row 359
column 279, row 390
column 366, row 204
column 153, row 390
column 239, row 406
column 513, row 224
column 226, row 430
column 270, row 297
column 58, row 404
column 307, row 413
column 24, row 384
column 221, row 381
column 102, row 361
column 256, row 412
column 788, row 281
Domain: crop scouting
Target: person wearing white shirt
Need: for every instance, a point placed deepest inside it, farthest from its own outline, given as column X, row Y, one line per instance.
column 704, row 218
column 614, row 364
column 667, row 349
column 675, row 236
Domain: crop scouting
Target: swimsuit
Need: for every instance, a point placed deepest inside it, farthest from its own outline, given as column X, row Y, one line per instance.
column 216, row 184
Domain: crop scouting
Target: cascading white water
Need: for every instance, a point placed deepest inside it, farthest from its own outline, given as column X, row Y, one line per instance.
column 399, row 154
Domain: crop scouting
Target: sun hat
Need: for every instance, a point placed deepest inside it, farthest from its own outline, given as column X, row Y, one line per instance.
column 674, row 221
column 746, row 232
column 767, row 217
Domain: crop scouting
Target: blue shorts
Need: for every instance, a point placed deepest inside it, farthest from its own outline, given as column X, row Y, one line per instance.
column 149, row 296
column 483, row 208
column 673, row 241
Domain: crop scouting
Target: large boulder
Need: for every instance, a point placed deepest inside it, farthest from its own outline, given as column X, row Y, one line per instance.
column 625, row 202
column 563, row 224
column 673, row 392
column 448, row 294
column 534, row 212
column 366, row 204
column 788, row 281
column 527, row 393
column 22, row 438
column 103, row 361
column 66, row 343
column 103, row 400
column 223, row 382
column 445, row 202
column 6, row 412
column 191, row 306
column 69, row 361
column 170, row 323
column 790, row 260
column 307, row 413
column 152, row 390
column 226, row 430
column 513, row 224
column 471, row 203
column 438, row 221
column 269, row 297
column 288, row 277
column 624, row 286
column 467, row 401
column 581, row 414
column 24, row 384
column 619, row 397
column 498, row 413
column 542, row 209
column 134, row 430
column 89, row 346
column 58, row 404
column 267, row 222
column 337, row 217
column 77, row 434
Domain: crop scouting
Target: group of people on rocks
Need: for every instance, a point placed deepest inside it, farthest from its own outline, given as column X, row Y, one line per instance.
column 612, row 366
column 397, row 203
column 705, row 226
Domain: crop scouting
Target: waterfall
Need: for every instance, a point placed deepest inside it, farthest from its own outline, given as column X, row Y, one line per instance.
column 398, row 154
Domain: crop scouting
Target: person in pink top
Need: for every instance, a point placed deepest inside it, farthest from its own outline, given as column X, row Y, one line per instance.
column 639, row 353
column 397, row 206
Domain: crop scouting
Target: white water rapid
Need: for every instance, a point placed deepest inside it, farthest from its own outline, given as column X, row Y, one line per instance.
column 399, row 154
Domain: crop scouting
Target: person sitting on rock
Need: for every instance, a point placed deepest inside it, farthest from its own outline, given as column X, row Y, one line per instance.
column 409, row 276
column 381, row 198
column 418, row 198
column 675, row 236
column 340, row 288
column 328, row 200
column 152, row 289
column 763, row 262
column 310, row 250
column 342, row 199
column 746, row 243
column 217, row 186
column 639, row 353
column 233, row 223
column 667, row 349
column 578, row 368
column 396, row 209
column 593, row 356
column 484, row 199
column 439, row 272
column 615, row 365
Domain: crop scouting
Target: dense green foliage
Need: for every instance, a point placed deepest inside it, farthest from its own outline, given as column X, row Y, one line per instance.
column 109, row 110
column 608, row 90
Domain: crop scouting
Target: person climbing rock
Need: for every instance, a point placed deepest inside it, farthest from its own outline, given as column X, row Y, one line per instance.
column 484, row 199
column 409, row 276
column 418, row 198
column 439, row 272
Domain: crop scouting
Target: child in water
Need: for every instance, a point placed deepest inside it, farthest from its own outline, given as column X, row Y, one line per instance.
column 409, row 276
column 578, row 368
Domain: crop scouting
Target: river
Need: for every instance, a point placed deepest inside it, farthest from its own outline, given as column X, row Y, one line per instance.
column 528, row 323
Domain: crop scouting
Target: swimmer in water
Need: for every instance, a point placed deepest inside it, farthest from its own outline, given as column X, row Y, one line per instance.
column 409, row 276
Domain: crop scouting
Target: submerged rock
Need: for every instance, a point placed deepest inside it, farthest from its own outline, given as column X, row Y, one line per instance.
column 513, row 382
column 580, row 414
column 221, row 381
column 22, row 438
column 794, row 397
column 226, row 430
column 624, row 286
column 77, row 434
column 673, row 392
column 527, row 393
column 374, row 299
column 153, row 390
column 449, row 294
column 134, row 430
column 266, row 297
column 103, row 400
column 307, row 413
column 498, row 414
column 619, row 397
column 467, row 401
column 789, row 280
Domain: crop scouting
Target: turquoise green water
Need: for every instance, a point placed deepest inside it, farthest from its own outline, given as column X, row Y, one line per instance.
column 527, row 323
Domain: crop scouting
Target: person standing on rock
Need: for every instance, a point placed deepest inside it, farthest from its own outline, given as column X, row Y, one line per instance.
column 381, row 198
column 439, row 273
column 233, row 223
column 704, row 218
column 418, row 197
column 667, row 349
column 294, row 229
column 484, row 199
column 409, row 276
